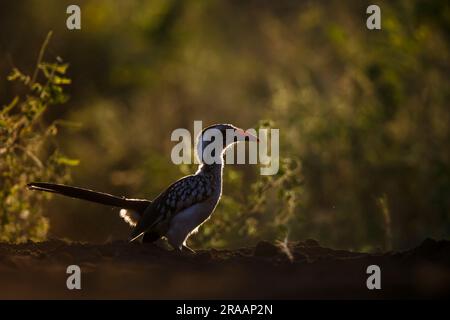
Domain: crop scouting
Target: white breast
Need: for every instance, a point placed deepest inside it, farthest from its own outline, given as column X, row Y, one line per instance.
column 187, row 222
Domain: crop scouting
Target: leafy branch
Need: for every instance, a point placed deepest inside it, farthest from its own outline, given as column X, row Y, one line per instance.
column 28, row 149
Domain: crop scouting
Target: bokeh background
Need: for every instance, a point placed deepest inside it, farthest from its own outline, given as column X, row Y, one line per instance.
column 363, row 115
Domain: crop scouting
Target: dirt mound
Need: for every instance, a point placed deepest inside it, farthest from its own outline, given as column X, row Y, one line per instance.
column 297, row 270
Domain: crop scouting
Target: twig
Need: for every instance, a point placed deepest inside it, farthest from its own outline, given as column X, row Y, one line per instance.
column 30, row 155
column 41, row 56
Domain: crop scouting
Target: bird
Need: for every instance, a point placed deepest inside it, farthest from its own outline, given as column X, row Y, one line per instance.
column 178, row 211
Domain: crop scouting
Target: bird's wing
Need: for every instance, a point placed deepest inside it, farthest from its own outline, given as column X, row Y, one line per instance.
column 180, row 195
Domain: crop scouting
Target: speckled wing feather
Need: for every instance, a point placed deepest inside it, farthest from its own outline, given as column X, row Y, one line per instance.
column 182, row 194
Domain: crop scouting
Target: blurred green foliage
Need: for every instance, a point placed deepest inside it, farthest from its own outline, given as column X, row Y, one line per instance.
column 363, row 115
column 28, row 151
column 265, row 211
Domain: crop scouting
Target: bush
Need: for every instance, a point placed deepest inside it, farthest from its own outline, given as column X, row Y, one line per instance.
column 28, row 151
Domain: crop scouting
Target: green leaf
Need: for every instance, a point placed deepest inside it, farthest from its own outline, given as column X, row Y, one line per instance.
column 36, row 87
column 61, row 80
column 62, row 68
column 67, row 161
column 15, row 73
column 13, row 103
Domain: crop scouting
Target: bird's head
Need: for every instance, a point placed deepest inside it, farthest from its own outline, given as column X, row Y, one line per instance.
column 215, row 139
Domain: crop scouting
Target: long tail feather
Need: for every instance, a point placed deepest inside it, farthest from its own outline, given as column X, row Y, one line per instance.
column 138, row 205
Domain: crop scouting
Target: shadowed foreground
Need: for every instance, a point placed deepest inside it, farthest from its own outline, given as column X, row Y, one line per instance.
column 123, row 270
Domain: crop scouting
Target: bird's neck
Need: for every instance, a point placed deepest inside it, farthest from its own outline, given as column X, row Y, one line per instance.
column 214, row 169
column 213, row 173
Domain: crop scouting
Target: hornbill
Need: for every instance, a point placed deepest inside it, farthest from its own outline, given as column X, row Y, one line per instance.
column 178, row 211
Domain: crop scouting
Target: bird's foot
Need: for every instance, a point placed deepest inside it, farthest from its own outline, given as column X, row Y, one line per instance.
column 185, row 248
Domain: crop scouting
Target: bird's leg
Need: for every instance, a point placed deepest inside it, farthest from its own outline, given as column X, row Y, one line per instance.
column 185, row 247
column 177, row 239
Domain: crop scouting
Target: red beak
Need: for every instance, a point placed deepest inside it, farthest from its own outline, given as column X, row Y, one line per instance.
column 247, row 135
column 251, row 137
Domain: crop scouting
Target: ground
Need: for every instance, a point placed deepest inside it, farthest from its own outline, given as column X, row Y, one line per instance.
column 145, row 271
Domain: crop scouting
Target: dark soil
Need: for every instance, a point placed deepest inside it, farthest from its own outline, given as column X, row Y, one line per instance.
column 124, row 270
